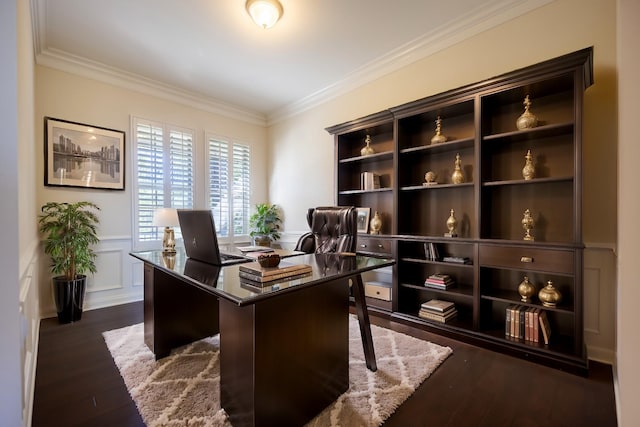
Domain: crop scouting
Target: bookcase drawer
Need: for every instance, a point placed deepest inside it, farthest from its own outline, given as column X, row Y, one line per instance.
column 535, row 259
column 377, row 290
column 374, row 246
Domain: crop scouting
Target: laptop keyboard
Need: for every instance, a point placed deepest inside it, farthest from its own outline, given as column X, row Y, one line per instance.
column 229, row 257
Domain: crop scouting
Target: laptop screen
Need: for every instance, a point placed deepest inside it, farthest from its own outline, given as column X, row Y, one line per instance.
column 200, row 239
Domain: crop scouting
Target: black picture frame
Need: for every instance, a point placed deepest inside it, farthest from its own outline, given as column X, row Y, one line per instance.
column 82, row 155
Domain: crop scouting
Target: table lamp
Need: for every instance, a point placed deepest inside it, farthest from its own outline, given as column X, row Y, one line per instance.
column 167, row 218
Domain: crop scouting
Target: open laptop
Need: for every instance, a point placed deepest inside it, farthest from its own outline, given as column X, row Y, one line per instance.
column 200, row 238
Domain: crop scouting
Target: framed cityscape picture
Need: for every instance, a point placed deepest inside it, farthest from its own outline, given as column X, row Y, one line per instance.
column 80, row 155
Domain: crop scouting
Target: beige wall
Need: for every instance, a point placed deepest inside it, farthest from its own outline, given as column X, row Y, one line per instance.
column 628, row 319
column 70, row 97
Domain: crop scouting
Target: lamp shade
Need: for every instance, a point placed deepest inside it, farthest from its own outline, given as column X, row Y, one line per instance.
column 265, row 13
column 165, row 217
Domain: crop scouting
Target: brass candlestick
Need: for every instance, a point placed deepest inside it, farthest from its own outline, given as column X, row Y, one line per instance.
column 438, row 137
column 527, row 224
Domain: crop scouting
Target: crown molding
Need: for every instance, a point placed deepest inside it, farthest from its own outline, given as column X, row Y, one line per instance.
column 472, row 23
column 63, row 61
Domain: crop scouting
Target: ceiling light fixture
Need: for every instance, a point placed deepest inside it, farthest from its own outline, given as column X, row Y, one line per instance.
column 265, row 13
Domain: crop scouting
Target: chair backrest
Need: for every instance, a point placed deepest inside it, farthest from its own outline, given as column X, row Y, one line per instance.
column 333, row 229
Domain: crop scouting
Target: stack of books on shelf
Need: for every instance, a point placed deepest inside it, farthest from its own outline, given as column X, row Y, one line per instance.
column 369, row 181
column 527, row 323
column 254, row 272
column 431, row 251
column 457, row 259
column 438, row 310
column 439, row 281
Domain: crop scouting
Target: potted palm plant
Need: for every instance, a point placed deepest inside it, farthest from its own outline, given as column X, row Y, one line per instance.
column 69, row 231
column 265, row 224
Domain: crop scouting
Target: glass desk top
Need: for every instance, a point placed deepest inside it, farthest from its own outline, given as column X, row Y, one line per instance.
column 226, row 282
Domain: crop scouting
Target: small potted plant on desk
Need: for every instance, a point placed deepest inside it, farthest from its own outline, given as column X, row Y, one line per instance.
column 265, row 224
column 69, row 230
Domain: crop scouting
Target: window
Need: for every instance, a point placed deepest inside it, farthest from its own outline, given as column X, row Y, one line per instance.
column 167, row 174
column 229, row 173
column 164, row 177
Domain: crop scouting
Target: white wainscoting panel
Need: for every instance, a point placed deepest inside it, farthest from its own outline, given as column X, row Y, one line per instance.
column 114, row 282
column 600, row 303
column 109, row 271
column 29, row 326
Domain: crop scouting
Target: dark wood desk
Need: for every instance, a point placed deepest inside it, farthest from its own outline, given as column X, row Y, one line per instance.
column 284, row 348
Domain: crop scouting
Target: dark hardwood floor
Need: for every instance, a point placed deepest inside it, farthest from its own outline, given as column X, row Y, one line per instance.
column 77, row 383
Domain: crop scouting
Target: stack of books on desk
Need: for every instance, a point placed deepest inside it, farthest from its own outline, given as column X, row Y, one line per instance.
column 439, row 281
column 438, row 310
column 255, row 272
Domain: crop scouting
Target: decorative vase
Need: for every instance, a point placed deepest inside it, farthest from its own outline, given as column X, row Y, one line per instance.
column 367, row 149
column 528, row 171
column 527, row 120
column 375, row 224
column 457, row 177
column 438, row 137
column 549, row 295
column 526, row 290
column 527, row 224
column 452, row 223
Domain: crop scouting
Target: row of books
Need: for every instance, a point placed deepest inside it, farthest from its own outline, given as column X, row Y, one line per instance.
column 439, row 281
column 438, row 310
column 369, row 181
column 431, row 253
column 528, row 323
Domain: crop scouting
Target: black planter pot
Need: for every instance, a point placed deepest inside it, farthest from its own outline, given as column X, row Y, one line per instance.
column 69, row 296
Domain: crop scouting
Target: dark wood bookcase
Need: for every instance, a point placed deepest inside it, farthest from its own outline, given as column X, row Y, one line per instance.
column 479, row 121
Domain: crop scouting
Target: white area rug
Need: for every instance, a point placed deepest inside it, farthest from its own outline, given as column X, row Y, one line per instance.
column 183, row 388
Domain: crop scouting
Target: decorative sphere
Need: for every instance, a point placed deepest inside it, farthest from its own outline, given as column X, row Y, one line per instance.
column 430, row 176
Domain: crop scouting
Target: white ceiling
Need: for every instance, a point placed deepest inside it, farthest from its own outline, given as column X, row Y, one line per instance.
column 211, row 50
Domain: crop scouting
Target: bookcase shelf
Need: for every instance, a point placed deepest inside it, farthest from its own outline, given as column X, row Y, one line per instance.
column 479, row 123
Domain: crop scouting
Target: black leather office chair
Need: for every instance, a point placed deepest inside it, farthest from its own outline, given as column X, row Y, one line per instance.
column 333, row 229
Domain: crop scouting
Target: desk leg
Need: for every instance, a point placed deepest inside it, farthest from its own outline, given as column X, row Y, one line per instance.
column 175, row 313
column 363, row 319
column 284, row 359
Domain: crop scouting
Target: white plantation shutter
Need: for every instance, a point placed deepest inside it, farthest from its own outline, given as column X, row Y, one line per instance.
column 150, row 183
column 241, row 188
column 229, row 186
column 165, row 174
column 181, row 169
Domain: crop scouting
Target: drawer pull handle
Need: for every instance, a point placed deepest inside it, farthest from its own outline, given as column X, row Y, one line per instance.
column 380, row 246
column 526, row 259
column 363, row 245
